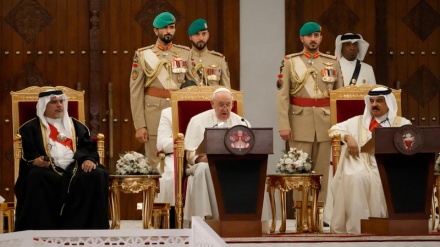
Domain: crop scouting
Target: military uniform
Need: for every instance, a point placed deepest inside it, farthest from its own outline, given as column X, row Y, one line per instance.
column 208, row 68
column 156, row 70
column 303, row 104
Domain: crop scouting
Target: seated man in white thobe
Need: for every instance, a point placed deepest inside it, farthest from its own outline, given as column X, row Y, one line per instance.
column 356, row 187
column 165, row 144
column 350, row 50
column 200, row 195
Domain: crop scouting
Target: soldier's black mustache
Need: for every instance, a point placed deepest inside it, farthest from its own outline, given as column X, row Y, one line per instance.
column 375, row 108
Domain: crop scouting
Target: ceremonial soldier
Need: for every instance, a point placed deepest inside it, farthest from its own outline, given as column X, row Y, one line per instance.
column 205, row 67
column 303, row 102
column 156, row 70
column 350, row 50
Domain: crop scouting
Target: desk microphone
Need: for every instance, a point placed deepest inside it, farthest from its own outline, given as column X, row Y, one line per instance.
column 219, row 124
column 243, row 120
column 385, row 120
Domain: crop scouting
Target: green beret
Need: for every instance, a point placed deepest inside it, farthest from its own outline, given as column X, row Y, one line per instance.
column 163, row 19
column 197, row 26
column 308, row 28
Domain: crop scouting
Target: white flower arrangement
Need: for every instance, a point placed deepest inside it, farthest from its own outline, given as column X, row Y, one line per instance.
column 132, row 163
column 295, row 161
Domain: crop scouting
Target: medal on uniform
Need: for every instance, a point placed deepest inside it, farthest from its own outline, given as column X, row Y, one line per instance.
column 61, row 137
column 214, row 73
column 329, row 75
column 353, row 82
column 178, row 66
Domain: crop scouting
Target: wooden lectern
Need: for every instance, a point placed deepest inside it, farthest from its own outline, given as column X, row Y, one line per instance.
column 405, row 157
column 238, row 160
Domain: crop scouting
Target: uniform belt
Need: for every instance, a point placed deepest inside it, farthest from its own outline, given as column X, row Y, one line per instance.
column 308, row 102
column 158, row 92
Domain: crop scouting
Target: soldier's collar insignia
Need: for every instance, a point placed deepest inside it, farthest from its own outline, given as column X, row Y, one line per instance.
column 308, row 55
column 163, row 48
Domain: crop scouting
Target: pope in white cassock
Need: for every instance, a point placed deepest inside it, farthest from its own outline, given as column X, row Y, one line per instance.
column 356, row 187
column 350, row 50
column 200, row 195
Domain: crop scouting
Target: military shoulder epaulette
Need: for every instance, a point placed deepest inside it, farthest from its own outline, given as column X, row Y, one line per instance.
column 293, row 55
column 182, row 47
column 145, row 48
column 216, row 53
column 329, row 56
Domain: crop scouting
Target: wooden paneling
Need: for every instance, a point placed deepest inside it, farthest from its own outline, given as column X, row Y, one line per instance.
column 89, row 45
column 6, row 168
column 397, row 51
column 434, row 64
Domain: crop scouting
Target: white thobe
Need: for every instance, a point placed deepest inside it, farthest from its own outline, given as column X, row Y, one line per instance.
column 356, row 187
column 61, row 154
column 165, row 143
column 200, row 195
column 366, row 74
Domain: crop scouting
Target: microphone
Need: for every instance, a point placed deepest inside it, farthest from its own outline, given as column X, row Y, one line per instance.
column 243, row 120
column 219, row 124
column 385, row 120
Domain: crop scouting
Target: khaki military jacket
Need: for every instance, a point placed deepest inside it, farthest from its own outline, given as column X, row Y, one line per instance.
column 208, row 68
column 306, row 76
column 146, row 109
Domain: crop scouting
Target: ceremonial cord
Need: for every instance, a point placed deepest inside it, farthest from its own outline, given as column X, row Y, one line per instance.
column 152, row 75
column 203, row 73
column 301, row 81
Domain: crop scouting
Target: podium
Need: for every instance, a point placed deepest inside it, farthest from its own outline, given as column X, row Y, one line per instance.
column 405, row 157
column 237, row 160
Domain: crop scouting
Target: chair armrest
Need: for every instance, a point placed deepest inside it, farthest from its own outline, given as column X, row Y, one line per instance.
column 336, row 150
column 100, row 148
column 162, row 162
column 179, row 169
column 17, row 155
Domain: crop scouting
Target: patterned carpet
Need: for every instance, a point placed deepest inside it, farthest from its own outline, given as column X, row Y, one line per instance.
column 328, row 239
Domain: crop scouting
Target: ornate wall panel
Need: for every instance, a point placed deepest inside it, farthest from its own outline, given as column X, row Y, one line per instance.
column 404, row 44
column 89, row 45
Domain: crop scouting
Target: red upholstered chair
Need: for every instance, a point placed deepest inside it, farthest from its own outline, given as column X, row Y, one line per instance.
column 24, row 109
column 345, row 103
column 185, row 104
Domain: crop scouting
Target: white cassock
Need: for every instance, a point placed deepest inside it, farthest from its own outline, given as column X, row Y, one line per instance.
column 356, row 187
column 200, row 195
column 165, row 143
column 366, row 74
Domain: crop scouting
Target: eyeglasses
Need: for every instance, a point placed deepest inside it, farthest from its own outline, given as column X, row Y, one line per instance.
column 227, row 106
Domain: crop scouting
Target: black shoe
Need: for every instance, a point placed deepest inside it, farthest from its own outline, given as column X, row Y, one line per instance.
column 326, row 224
